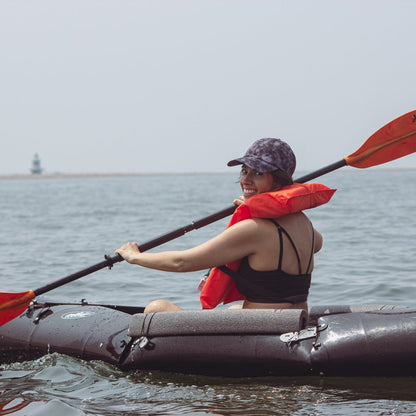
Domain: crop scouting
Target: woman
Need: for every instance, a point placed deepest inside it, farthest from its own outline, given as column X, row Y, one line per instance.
column 277, row 255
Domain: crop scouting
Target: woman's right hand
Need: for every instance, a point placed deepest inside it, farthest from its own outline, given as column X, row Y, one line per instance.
column 129, row 251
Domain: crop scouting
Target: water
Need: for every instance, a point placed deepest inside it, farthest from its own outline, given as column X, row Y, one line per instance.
column 52, row 227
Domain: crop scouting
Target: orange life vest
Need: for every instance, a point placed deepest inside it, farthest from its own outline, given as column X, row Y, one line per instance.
column 219, row 287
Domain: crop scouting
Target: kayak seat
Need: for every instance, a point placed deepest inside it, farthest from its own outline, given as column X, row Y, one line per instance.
column 214, row 322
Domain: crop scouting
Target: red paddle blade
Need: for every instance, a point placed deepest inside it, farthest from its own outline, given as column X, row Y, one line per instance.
column 14, row 304
column 394, row 140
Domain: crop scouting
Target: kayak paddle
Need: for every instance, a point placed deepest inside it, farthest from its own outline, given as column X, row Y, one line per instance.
column 396, row 139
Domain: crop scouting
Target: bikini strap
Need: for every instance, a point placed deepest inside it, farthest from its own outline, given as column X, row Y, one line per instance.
column 281, row 230
column 313, row 248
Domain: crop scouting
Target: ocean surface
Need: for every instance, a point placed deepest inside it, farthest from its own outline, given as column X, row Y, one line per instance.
column 53, row 227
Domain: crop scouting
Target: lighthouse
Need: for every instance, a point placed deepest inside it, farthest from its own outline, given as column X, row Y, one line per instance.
column 36, row 168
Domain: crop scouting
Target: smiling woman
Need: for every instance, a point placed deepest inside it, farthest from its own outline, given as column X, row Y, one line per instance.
column 275, row 257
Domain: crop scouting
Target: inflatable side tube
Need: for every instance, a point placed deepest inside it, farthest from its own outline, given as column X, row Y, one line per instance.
column 220, row 355
column 87, row 332
column 377, row 343
column 231, row 343
column 315, row 312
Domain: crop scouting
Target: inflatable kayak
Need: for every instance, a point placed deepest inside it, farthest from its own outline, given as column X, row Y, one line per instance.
column 366, row 340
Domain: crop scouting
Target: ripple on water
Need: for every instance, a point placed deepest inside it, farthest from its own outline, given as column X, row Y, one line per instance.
column 57, row 384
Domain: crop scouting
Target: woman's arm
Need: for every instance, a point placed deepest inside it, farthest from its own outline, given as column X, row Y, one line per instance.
column 234, row 243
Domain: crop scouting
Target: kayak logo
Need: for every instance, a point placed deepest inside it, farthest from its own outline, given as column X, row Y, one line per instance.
column 414, row 118
column 77, row 315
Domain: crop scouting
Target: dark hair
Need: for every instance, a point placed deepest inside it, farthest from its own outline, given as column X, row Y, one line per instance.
column 282, row 178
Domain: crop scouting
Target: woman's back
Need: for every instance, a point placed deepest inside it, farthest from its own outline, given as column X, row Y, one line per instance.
column 281, row 263
column 305, row 239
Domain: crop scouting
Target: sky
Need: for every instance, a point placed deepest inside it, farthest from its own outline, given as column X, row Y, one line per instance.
column 134, row 86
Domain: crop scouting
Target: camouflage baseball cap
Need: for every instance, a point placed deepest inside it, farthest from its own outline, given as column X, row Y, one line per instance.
column 268, row 155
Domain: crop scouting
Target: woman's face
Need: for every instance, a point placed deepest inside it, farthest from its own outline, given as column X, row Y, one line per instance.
column 253, row 183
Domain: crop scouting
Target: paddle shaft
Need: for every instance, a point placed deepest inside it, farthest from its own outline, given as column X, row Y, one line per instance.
column 109, row 261
column 322, row 171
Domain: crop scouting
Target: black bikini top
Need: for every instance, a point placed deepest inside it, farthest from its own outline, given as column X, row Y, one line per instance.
column 273, row 286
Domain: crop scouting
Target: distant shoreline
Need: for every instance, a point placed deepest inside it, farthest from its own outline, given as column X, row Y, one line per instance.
column 97, row 175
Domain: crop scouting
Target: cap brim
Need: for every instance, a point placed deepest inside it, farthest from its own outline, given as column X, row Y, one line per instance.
column 236, row 162
column 253, row 163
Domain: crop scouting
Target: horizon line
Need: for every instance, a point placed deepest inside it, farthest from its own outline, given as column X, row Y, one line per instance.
column 126, row 174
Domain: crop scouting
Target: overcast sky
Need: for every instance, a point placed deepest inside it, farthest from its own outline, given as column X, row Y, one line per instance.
column 186, row 85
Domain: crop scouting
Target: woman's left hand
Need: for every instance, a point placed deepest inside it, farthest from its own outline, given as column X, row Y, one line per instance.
column 240, row 200
column 129, row 251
